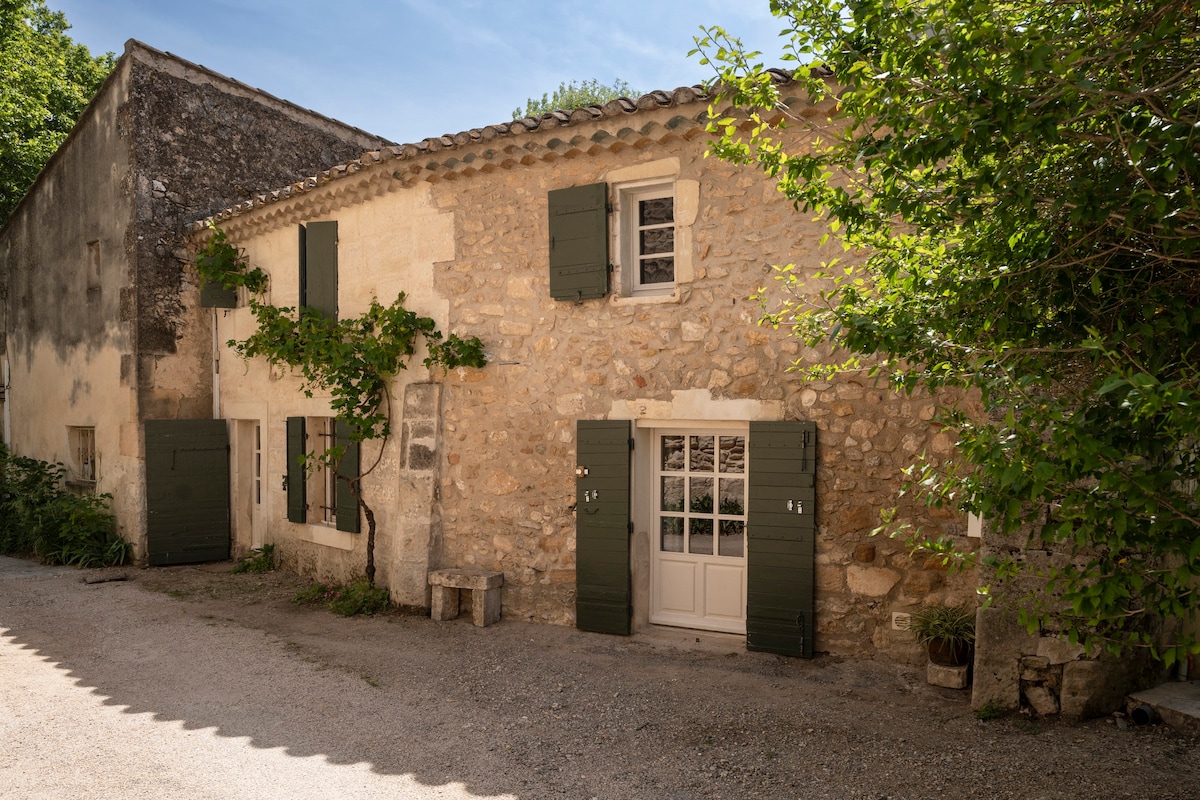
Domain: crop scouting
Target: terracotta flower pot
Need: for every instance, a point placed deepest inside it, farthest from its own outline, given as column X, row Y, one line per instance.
column 949, row 653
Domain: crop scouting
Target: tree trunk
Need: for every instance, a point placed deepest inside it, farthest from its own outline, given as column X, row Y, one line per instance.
column 370, row 542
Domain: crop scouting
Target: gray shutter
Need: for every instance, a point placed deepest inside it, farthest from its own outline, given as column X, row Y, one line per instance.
column 214, row 295
column 781, row 529
column 345, row 503
column 187, row 491
column 297, row 502
column 579, row 242
column 321, row 268
column 603, row 598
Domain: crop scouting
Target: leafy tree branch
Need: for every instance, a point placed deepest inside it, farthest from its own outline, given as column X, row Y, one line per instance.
column 1015, row 189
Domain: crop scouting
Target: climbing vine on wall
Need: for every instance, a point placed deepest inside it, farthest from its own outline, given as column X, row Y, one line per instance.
column 220, row 263
column 352, row 360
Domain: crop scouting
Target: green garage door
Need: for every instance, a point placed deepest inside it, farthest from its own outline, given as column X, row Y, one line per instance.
column 187, row 491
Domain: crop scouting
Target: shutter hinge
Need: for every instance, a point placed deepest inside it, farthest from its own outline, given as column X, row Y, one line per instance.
column 631, row 443
column 631, row 527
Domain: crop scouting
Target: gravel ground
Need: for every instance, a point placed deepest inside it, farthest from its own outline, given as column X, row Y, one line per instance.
column 195, row 683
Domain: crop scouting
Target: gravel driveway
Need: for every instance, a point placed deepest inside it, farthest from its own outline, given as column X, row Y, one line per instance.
column 197, row 683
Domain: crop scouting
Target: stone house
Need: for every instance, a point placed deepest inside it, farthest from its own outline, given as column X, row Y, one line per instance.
column 106, row 353
column 636, row 452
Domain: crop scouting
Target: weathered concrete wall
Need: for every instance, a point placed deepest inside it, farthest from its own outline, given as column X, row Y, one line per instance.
column 66, row 256
column 505, row 451
column 101, row 326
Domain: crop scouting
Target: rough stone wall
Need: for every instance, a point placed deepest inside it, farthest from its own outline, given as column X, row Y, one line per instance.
column 508, row 486
column 468, row 241
column 202, row 143
column 1042, row 672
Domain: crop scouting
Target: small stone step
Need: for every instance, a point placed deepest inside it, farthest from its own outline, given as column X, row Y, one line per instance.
column 1177, row 704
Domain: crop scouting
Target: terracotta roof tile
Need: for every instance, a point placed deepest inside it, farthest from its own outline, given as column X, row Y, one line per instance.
column 414, row 151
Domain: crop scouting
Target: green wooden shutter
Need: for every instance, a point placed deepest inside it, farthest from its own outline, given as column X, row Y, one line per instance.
column 303, row 274
column 345, row 503
column 320, row 270
column 187, row 491
column 603, row 596
column 781, row 529
column 297, row 502
column 579, row 242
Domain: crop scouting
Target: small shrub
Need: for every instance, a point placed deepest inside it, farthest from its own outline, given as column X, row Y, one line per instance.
column 38, row 516
column 350, row 600
column 258, row 560
column 360, row 597
column 988, row 712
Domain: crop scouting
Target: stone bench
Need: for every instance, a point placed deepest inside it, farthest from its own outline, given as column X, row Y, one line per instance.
column 484, row 587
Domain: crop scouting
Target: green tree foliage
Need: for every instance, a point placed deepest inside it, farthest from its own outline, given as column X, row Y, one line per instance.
column 1015, row 186
column 575, row 95
column 353, row 360
column 46, row 80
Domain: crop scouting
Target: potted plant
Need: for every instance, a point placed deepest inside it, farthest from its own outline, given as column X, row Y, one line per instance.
column 948, row 633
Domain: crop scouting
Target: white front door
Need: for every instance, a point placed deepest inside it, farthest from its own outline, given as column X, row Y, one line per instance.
column 248, row 486
column 698, row 569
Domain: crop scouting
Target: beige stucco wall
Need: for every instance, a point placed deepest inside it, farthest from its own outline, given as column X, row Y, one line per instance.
column 385, row 247
column 68, row 343
column 470, row 245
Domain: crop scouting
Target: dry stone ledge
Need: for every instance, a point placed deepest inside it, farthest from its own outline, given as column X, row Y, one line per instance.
column 948, row 677
column 484, row 586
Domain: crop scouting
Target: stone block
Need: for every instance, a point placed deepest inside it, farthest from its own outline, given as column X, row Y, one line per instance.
column 1093, row 688
column 1041, row 700
column 484, row 586
column 1058, row 650
column 871, row 581
column 443, row 603
column 421, row 400
column 864, row 553
column 922, row 582
column 1000, row 642
column 948, row 677
column 1034, row 668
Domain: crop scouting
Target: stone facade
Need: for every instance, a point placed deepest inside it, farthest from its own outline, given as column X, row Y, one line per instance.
column 487, row 482
column 102, row 328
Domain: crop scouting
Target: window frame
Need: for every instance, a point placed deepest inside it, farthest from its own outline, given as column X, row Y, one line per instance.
column 321, row 492
column 629, row 198
column 85, row 461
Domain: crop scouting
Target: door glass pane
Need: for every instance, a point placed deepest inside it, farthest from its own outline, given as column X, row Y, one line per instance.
column 732, row 538
column 702, row 453
column 700, row 540
column 733, row 493
column 733, row 454
column 672, row 453
column 701, row 500
column 672, row 494
column 671, row 540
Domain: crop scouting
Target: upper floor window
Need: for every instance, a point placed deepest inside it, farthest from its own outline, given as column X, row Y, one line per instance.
column 648, row 239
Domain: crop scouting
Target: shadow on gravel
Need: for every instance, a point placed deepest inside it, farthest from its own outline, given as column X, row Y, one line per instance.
column 536, row 711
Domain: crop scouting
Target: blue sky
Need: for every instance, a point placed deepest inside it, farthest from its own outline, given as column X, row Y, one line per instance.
column 411, row 69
